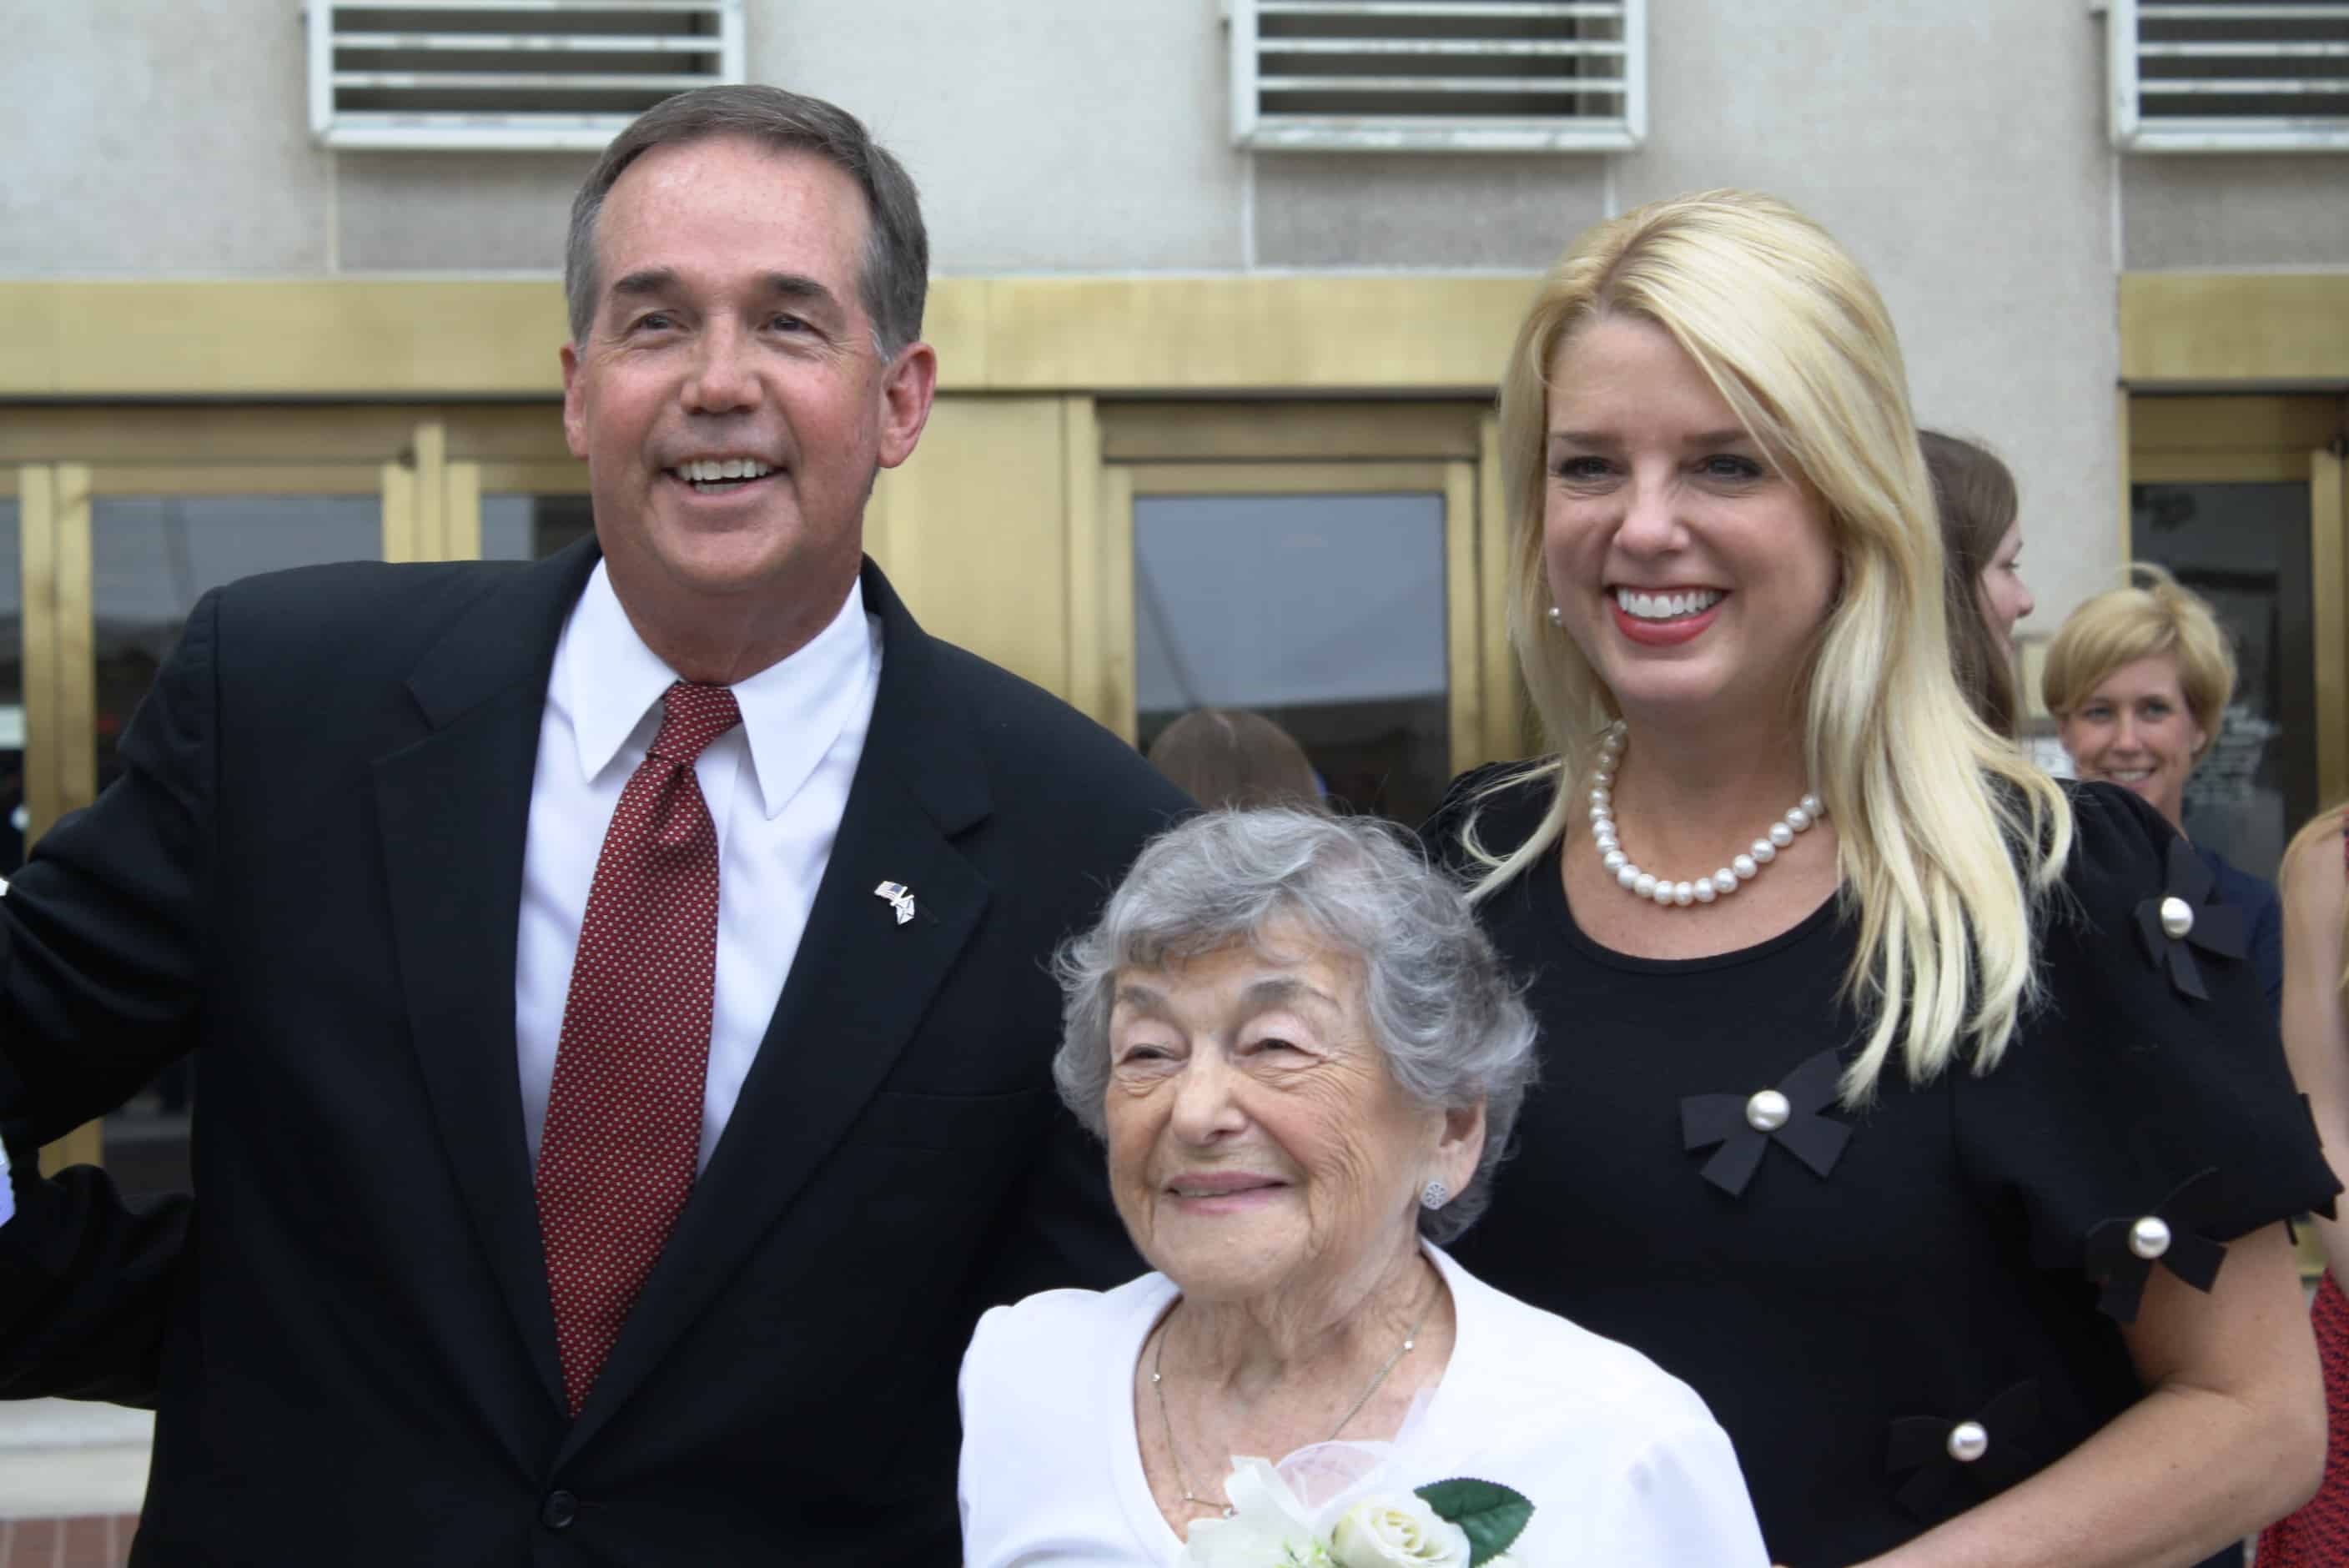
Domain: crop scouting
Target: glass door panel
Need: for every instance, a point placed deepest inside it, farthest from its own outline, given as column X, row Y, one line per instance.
column 2240, row 496
column 2245, row 548
column 519, row 526
column 1335, row 600
column 152, row 558
column 1328, row 613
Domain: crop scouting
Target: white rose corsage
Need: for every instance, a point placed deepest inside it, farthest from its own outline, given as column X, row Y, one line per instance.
column 1458, row 1523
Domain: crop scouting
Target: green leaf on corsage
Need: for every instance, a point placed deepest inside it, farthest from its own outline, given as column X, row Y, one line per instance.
column 1491, row 1515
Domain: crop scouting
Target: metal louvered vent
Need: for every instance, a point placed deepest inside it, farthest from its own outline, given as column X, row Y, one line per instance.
column 2231, row 76
column 1439, row 76
column 529, row 74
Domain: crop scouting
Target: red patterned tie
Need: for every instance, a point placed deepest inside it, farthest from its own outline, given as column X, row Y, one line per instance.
column 624, row 1116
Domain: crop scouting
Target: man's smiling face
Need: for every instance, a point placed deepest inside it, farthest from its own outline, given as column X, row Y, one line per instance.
column 729, row 399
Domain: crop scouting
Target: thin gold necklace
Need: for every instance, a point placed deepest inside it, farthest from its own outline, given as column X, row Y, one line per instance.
column 1158, row 1382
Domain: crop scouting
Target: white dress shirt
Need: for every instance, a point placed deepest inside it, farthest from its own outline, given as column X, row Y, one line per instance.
column 775, row 787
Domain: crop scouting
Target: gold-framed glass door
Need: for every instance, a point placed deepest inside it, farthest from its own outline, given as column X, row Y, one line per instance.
column 2241, row 497
column 124, row 516
column 158, row 538
column 114, row 521
column 1336, row 566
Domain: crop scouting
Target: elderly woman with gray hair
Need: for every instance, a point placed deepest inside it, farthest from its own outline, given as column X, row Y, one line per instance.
column 1305, row 1061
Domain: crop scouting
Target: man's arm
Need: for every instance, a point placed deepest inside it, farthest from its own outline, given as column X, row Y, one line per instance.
column 100, row 959
column 84, row 1283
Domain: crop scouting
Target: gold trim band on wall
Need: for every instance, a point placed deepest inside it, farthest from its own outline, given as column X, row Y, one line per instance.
column 482, row 337
column 474, row 338
column 2241, row 330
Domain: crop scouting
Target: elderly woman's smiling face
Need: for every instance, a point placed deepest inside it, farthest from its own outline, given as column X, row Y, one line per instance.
column 1257, row 1143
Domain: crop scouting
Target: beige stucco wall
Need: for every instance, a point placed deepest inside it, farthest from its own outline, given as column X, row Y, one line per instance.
column 2222, row 212
column 138, row 138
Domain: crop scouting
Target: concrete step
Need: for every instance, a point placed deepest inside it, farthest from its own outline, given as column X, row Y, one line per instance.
column 61, row 1458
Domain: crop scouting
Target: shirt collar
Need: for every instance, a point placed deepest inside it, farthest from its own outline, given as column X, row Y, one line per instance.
column 792, row 711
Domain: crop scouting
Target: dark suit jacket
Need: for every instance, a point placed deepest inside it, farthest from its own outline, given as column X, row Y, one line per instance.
column 311, row 873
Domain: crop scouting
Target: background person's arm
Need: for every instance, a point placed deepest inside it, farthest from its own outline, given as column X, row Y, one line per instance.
column 2315, row 892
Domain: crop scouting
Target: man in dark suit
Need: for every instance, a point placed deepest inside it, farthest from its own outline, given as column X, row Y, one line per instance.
column 620, row 979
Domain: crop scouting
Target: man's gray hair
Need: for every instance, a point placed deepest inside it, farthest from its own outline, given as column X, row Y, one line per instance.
column 1448, row 1018
column 896, row 274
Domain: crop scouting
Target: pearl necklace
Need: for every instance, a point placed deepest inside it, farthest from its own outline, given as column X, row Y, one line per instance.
column 1679, row 895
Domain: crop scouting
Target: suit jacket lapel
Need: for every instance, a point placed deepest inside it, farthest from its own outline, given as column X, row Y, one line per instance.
column 858, row 985
column 455, row 811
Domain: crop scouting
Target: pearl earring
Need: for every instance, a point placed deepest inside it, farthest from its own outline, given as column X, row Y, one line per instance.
column 1557, row 617
column 1435, row 1195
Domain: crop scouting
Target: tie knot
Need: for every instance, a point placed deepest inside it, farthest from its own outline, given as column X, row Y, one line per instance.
column 694, row 716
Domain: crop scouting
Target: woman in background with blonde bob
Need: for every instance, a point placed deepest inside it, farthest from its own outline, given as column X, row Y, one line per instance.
column 1885, row 1132
column 2139, row 680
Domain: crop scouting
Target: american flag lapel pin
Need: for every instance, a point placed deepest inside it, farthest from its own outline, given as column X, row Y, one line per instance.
column 900, row 897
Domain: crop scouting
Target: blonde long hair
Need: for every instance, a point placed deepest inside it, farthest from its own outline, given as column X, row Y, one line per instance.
column 1934, row 813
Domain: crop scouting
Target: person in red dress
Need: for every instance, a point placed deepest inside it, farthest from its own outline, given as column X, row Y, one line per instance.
column 2316, row 1039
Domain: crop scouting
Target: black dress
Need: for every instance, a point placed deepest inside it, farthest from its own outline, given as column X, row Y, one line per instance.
column 1851, row 1289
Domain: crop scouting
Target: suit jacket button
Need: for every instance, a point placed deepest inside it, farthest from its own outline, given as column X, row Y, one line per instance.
column 559, row 1510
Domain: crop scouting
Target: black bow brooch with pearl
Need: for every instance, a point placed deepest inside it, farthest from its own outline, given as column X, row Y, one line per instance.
column 1743, row 1125
column 2182, row 919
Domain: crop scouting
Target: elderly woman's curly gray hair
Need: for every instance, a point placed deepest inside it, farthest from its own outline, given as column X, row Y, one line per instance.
column 1440, row 1004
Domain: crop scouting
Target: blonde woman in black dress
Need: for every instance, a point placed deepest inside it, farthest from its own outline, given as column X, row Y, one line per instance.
column 1892, row 1098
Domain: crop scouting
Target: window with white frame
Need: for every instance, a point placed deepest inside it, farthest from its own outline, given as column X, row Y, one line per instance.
column 1439, row 76
column 2228, row 76
column 527, row 74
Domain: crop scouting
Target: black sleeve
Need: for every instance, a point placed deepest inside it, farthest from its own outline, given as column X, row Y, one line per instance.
column 2149, row 1085
column 85, row 1282
column 99, row 971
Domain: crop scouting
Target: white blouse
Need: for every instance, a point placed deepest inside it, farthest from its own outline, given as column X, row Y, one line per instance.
column 1622, row 1463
